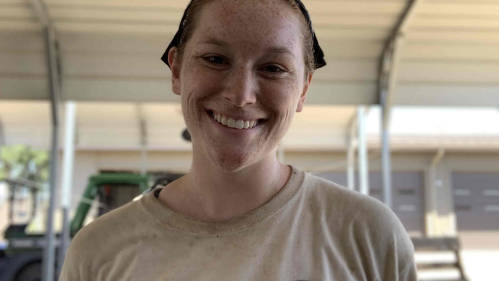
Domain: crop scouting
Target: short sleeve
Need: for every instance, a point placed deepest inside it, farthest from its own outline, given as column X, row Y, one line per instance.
column 381, row 234
column 399, row 250
column 409, row 273
column 75, row 267
column 84, row 252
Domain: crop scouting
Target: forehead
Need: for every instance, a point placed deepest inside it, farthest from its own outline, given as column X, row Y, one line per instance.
column 250, row 22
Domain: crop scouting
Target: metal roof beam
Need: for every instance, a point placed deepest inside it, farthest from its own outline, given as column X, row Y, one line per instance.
column 54, row 79
column 387, row 80
column 42, row 13
column 403, row 22
column 389, row 59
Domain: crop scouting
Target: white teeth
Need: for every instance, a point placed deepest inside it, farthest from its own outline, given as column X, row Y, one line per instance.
column 239, row 124
column 232, row 123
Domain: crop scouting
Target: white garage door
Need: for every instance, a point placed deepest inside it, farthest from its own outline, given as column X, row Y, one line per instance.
column 476, row 200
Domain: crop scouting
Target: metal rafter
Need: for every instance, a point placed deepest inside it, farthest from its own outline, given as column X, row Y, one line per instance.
column 389, row 58
column 386, row 83
column 41, row 12
column 53, row 66
column 387, row 79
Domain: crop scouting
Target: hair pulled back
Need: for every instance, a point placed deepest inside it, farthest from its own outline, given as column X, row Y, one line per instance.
column 192, row 15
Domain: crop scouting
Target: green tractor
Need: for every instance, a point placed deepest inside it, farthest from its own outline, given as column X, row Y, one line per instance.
column 21, row 259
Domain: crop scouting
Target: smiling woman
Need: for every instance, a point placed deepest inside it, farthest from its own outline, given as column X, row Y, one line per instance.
column 242, row 69
column 245, row 68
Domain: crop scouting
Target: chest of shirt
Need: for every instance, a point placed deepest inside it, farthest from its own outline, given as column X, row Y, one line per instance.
column 269, row 252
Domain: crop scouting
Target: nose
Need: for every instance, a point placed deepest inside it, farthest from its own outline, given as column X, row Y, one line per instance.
column 241, row 88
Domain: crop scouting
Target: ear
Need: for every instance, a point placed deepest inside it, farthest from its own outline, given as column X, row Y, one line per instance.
column 175, row 67
column 303, row 95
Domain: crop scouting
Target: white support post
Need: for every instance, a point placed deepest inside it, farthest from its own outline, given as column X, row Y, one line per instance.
column 362, row 155
column 54, row 77
column 387, row 83
column 431, row 214
column 385, row 101
column 67, row 179
column 386, row 166
column 49, row 249
column 351, row 159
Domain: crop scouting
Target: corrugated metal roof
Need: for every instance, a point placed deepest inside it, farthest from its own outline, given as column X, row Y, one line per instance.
column 110, row 50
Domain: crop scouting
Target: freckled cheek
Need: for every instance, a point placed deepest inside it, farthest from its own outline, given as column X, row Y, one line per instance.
column 200, row 81
column 197, row 87
column 281, row 100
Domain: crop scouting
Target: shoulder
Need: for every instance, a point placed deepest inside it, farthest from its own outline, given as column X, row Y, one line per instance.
column 103, row 239
column 338, row 200
column 118, row 220
column 106, row 234
column 362, row 220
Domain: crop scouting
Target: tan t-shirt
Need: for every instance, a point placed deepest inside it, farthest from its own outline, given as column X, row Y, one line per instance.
column 311, row 230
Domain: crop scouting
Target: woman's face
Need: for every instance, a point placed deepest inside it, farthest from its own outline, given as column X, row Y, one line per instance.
column 243, row 63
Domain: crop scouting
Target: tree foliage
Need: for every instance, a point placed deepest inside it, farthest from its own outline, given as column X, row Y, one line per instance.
column 20, row 161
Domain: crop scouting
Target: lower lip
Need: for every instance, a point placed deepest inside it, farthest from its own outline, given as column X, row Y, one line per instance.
column 230, row 130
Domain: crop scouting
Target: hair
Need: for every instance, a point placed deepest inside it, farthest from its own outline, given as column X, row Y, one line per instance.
column 192, row 14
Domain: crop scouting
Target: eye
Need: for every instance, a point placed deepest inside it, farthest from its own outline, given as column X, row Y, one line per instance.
column 273, row 69
column 215, row 59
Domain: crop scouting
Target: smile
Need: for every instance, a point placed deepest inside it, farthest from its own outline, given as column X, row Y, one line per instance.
column 233, row 123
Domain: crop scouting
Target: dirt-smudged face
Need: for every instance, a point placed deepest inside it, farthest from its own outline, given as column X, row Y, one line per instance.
column 242, row 67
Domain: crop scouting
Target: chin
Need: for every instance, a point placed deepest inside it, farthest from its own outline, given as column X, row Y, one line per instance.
column 232, row 162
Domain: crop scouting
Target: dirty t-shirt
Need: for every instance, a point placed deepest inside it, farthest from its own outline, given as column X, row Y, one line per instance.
column 311, row 230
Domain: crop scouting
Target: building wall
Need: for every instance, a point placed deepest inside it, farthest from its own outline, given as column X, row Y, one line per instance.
column 91, row 162
column 88, row 163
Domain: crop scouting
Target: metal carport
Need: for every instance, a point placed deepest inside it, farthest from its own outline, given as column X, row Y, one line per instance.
column 446, row 52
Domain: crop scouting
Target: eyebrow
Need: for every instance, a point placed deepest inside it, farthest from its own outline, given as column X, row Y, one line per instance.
column 281, row 50
column 213, row 41
column 220, row 43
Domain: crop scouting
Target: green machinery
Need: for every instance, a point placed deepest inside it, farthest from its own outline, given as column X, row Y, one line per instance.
column 21, row 259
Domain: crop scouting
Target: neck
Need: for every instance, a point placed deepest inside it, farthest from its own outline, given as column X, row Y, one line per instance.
column 209, row 194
